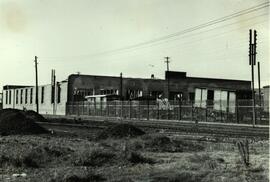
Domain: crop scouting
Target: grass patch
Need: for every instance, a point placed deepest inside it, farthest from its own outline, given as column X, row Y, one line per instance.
column 178, row 176
column 136, row 158
column 162, row 143
column 94, row 158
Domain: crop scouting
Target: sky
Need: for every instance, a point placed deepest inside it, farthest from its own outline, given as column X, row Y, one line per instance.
column 100, row 37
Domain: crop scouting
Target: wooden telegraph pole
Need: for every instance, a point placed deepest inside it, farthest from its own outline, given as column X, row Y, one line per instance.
column 259, row 84
column 252, row 62
column 168, row 80
column 36, row 70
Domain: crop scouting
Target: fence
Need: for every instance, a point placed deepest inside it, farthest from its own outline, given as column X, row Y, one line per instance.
column 201, row 111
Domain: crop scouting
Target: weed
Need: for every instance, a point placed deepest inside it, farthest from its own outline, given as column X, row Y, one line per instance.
column 92, row 177
column 243, row 147
column 94, row 158
column 136, row 158
column 174, row 176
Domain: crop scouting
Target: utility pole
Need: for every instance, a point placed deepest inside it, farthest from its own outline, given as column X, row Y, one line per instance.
column 121, row 86
column 168, row 79
column 36, row 83
column 252, row 62
column 167, row 62
column 53, row 93
column 259, row 84
column 121, row 94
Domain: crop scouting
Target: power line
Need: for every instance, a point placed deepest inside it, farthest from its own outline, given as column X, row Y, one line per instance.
column 192, row 47
column 192, row 29
column 204, row 25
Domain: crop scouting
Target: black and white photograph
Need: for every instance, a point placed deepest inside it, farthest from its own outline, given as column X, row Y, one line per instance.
column 134, row 90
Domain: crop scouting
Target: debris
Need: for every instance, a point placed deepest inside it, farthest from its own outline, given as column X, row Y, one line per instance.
column 19, row 175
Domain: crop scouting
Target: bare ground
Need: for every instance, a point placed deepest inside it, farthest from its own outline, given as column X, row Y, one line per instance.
column 79, row 157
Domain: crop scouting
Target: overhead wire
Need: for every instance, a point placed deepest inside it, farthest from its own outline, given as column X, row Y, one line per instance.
column 192, row 29
column 187, row 44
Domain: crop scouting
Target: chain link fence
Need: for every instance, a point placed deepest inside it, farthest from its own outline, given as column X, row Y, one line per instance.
column 206, row 111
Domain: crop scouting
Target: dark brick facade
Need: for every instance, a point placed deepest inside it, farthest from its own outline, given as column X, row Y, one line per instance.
column 82, row 85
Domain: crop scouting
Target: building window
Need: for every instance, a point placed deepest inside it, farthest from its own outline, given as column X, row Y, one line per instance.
column 10, row 97
column 17, row 96
column 191, row 96
column 232, row 102
column 58, row 93
column 26, row 96
column 6, row 97
column 200, row 97
column 52, row 94
column 21, row 100
column 31, row 95
column 154, row 94
column 220, row 100
column 42, row 95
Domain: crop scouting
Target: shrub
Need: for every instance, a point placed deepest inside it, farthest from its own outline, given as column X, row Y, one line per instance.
column 243, row 148
column 89, row 177
column 174, row 176
column 136, row 158
column 94, row 158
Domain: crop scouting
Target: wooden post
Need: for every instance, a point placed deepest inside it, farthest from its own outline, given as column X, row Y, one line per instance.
column 147, row 109
column 130, row 108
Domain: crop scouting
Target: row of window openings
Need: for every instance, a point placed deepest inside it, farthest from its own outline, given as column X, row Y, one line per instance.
column 221, row 99
column 9, row 94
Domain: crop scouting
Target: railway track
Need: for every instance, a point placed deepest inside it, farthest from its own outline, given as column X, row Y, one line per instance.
column 174, row 127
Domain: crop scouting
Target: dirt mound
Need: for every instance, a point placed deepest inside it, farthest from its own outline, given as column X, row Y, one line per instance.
column 162, row 143
column 13, row 121
column 120, row 131
column 34, row 116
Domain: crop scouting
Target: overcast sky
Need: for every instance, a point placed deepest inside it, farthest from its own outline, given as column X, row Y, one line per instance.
column 93, row 37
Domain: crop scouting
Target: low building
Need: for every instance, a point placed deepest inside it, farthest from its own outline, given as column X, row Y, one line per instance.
column 176, row 85
column 51, row 100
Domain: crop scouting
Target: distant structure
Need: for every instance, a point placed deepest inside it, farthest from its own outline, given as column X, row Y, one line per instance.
column 77, row 88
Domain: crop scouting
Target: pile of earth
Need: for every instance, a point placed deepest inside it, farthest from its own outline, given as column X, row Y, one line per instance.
column 34, row 116
column 120, row 131
column 162, row 143
column 14, row 122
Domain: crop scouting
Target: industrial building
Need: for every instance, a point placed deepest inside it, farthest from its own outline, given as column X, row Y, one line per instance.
column 54, row 98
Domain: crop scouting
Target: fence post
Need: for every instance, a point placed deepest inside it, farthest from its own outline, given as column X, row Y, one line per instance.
column 83, row 109
column 192, row 107
column 147, row 109
column 130, row 109
column 115, row 109
column 89, row 108
column 157, row 110
column 221, row 111
column 72, row 107
column 180, row 107
column 100, row 107
column 121, row 108
column 139, row 110
column 227, row 114
column 108, row 108
column 168, row 110
column 237, row 112
column 95, row 109
column 206, row 113
column 78, row 108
